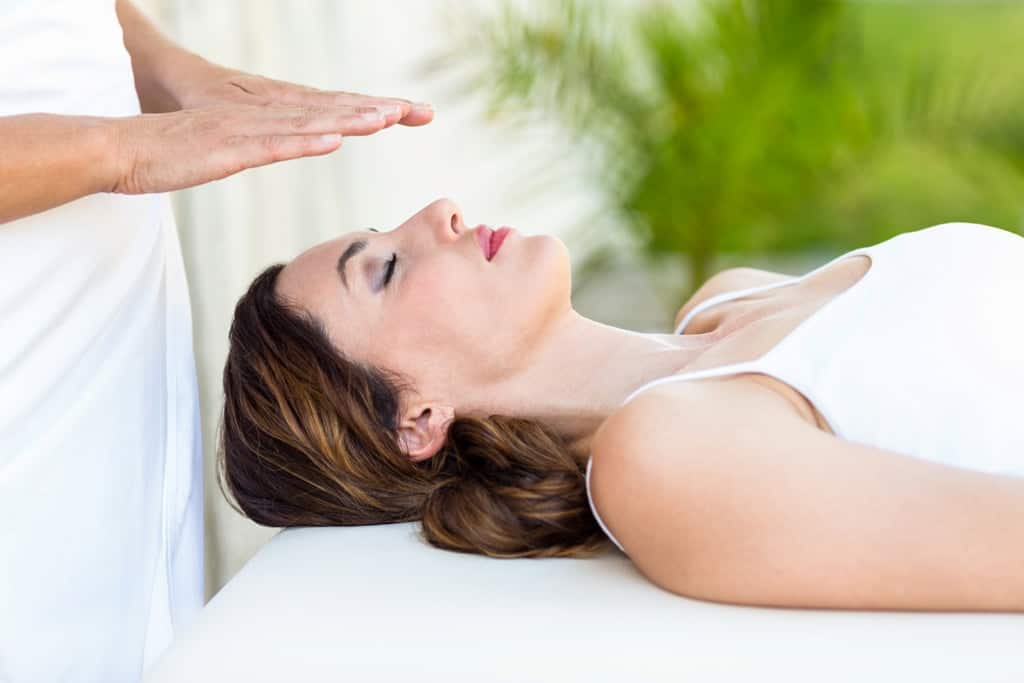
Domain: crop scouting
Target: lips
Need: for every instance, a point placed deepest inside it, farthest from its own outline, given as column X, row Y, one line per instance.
column 483, row 238
column 490, row 240
column 497, row 237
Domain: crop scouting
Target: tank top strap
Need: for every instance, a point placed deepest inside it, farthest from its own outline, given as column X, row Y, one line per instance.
column 731, row 369
column 729, row 296
column 759, row 364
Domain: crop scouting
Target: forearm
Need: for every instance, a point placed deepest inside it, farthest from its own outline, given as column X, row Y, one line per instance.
column 162, row 67
column 47, row 160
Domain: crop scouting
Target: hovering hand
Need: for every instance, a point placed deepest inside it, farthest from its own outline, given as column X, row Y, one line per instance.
column 188, row 147
column 216, row 85
column 230, row 120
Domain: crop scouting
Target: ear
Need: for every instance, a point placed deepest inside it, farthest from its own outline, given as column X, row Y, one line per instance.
column 423, row 429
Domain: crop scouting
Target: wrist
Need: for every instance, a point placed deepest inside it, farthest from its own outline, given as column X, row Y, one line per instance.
column 183, row 74
column 104, row 141
column 162, row 68
column 171, row 75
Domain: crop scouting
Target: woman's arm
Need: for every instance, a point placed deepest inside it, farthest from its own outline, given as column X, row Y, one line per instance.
column 214, row 122
column 760, row 508
column 168, row 78
column 47, row 160
column 162, row 68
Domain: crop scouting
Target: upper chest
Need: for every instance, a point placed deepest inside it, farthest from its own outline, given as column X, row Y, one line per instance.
column 748, row 327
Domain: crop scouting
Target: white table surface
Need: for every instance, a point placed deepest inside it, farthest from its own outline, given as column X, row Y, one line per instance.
column 379, row 604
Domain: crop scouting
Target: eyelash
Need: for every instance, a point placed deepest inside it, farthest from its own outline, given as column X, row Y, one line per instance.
column 390, row 269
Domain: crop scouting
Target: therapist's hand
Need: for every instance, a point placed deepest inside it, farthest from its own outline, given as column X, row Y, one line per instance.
column 210, row 84
column 169, row 77
column 175, row 150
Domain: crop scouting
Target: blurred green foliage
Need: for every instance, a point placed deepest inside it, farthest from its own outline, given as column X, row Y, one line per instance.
column 773, row 125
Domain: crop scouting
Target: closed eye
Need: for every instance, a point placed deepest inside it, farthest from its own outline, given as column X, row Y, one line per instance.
column 390, row 269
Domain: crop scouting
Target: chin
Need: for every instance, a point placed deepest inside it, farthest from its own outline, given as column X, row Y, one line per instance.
column 535, row 290
column 550, row 270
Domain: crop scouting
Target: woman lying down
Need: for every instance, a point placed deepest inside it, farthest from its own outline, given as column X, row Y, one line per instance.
column 851, row 438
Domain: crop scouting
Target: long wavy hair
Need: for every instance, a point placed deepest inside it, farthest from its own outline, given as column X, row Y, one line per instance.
column 308, row 437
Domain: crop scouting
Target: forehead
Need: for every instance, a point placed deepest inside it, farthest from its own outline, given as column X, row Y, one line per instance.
column 311, row 276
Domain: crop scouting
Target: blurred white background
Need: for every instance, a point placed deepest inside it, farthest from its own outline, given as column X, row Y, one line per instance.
column 234, row 228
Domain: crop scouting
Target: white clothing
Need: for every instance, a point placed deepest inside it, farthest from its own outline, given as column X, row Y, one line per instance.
column 923, row 356
column 101, row 494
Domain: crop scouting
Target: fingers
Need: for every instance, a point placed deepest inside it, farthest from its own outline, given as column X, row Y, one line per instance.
column 309, row 120
column 420, row 114
column 353, row 119
column 194, row 146
column 397, row 109
column 411, row 113
column 268, row 149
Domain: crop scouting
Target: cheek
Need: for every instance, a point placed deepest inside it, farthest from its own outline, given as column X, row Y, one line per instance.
column 450, row 315
column 441, row 307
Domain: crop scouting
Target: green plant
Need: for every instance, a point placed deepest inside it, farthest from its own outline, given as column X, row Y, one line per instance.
column 769, row 125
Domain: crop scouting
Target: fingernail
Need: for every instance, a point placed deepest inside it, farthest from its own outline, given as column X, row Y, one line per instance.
column 330, row 139
column 422, row 106
column 373, row 115
column 390, row 109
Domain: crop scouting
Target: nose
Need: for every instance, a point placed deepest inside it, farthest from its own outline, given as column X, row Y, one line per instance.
column 446, row 219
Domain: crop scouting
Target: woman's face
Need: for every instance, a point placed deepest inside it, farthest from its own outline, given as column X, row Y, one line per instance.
column 448, row 318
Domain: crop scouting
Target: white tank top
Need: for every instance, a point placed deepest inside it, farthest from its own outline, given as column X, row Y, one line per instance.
column 923, row 356
column 101, row 557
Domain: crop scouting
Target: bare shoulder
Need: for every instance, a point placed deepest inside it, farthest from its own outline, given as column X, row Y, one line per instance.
column 729, row 280
column 646, row 459
column 715, row 500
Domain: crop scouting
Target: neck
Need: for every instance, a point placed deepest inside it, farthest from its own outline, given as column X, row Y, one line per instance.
column 581, row 371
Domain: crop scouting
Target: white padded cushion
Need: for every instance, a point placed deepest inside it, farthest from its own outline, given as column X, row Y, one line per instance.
column 378, row 604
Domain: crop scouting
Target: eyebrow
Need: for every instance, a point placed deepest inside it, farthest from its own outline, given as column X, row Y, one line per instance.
column 350, row 251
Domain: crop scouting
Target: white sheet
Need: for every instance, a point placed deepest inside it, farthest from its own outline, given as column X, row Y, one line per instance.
column 378, row 604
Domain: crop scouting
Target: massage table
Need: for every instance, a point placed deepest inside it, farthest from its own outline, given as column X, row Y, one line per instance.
column 377, row 603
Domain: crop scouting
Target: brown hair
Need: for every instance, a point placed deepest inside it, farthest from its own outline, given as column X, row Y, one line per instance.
column 309, row 438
